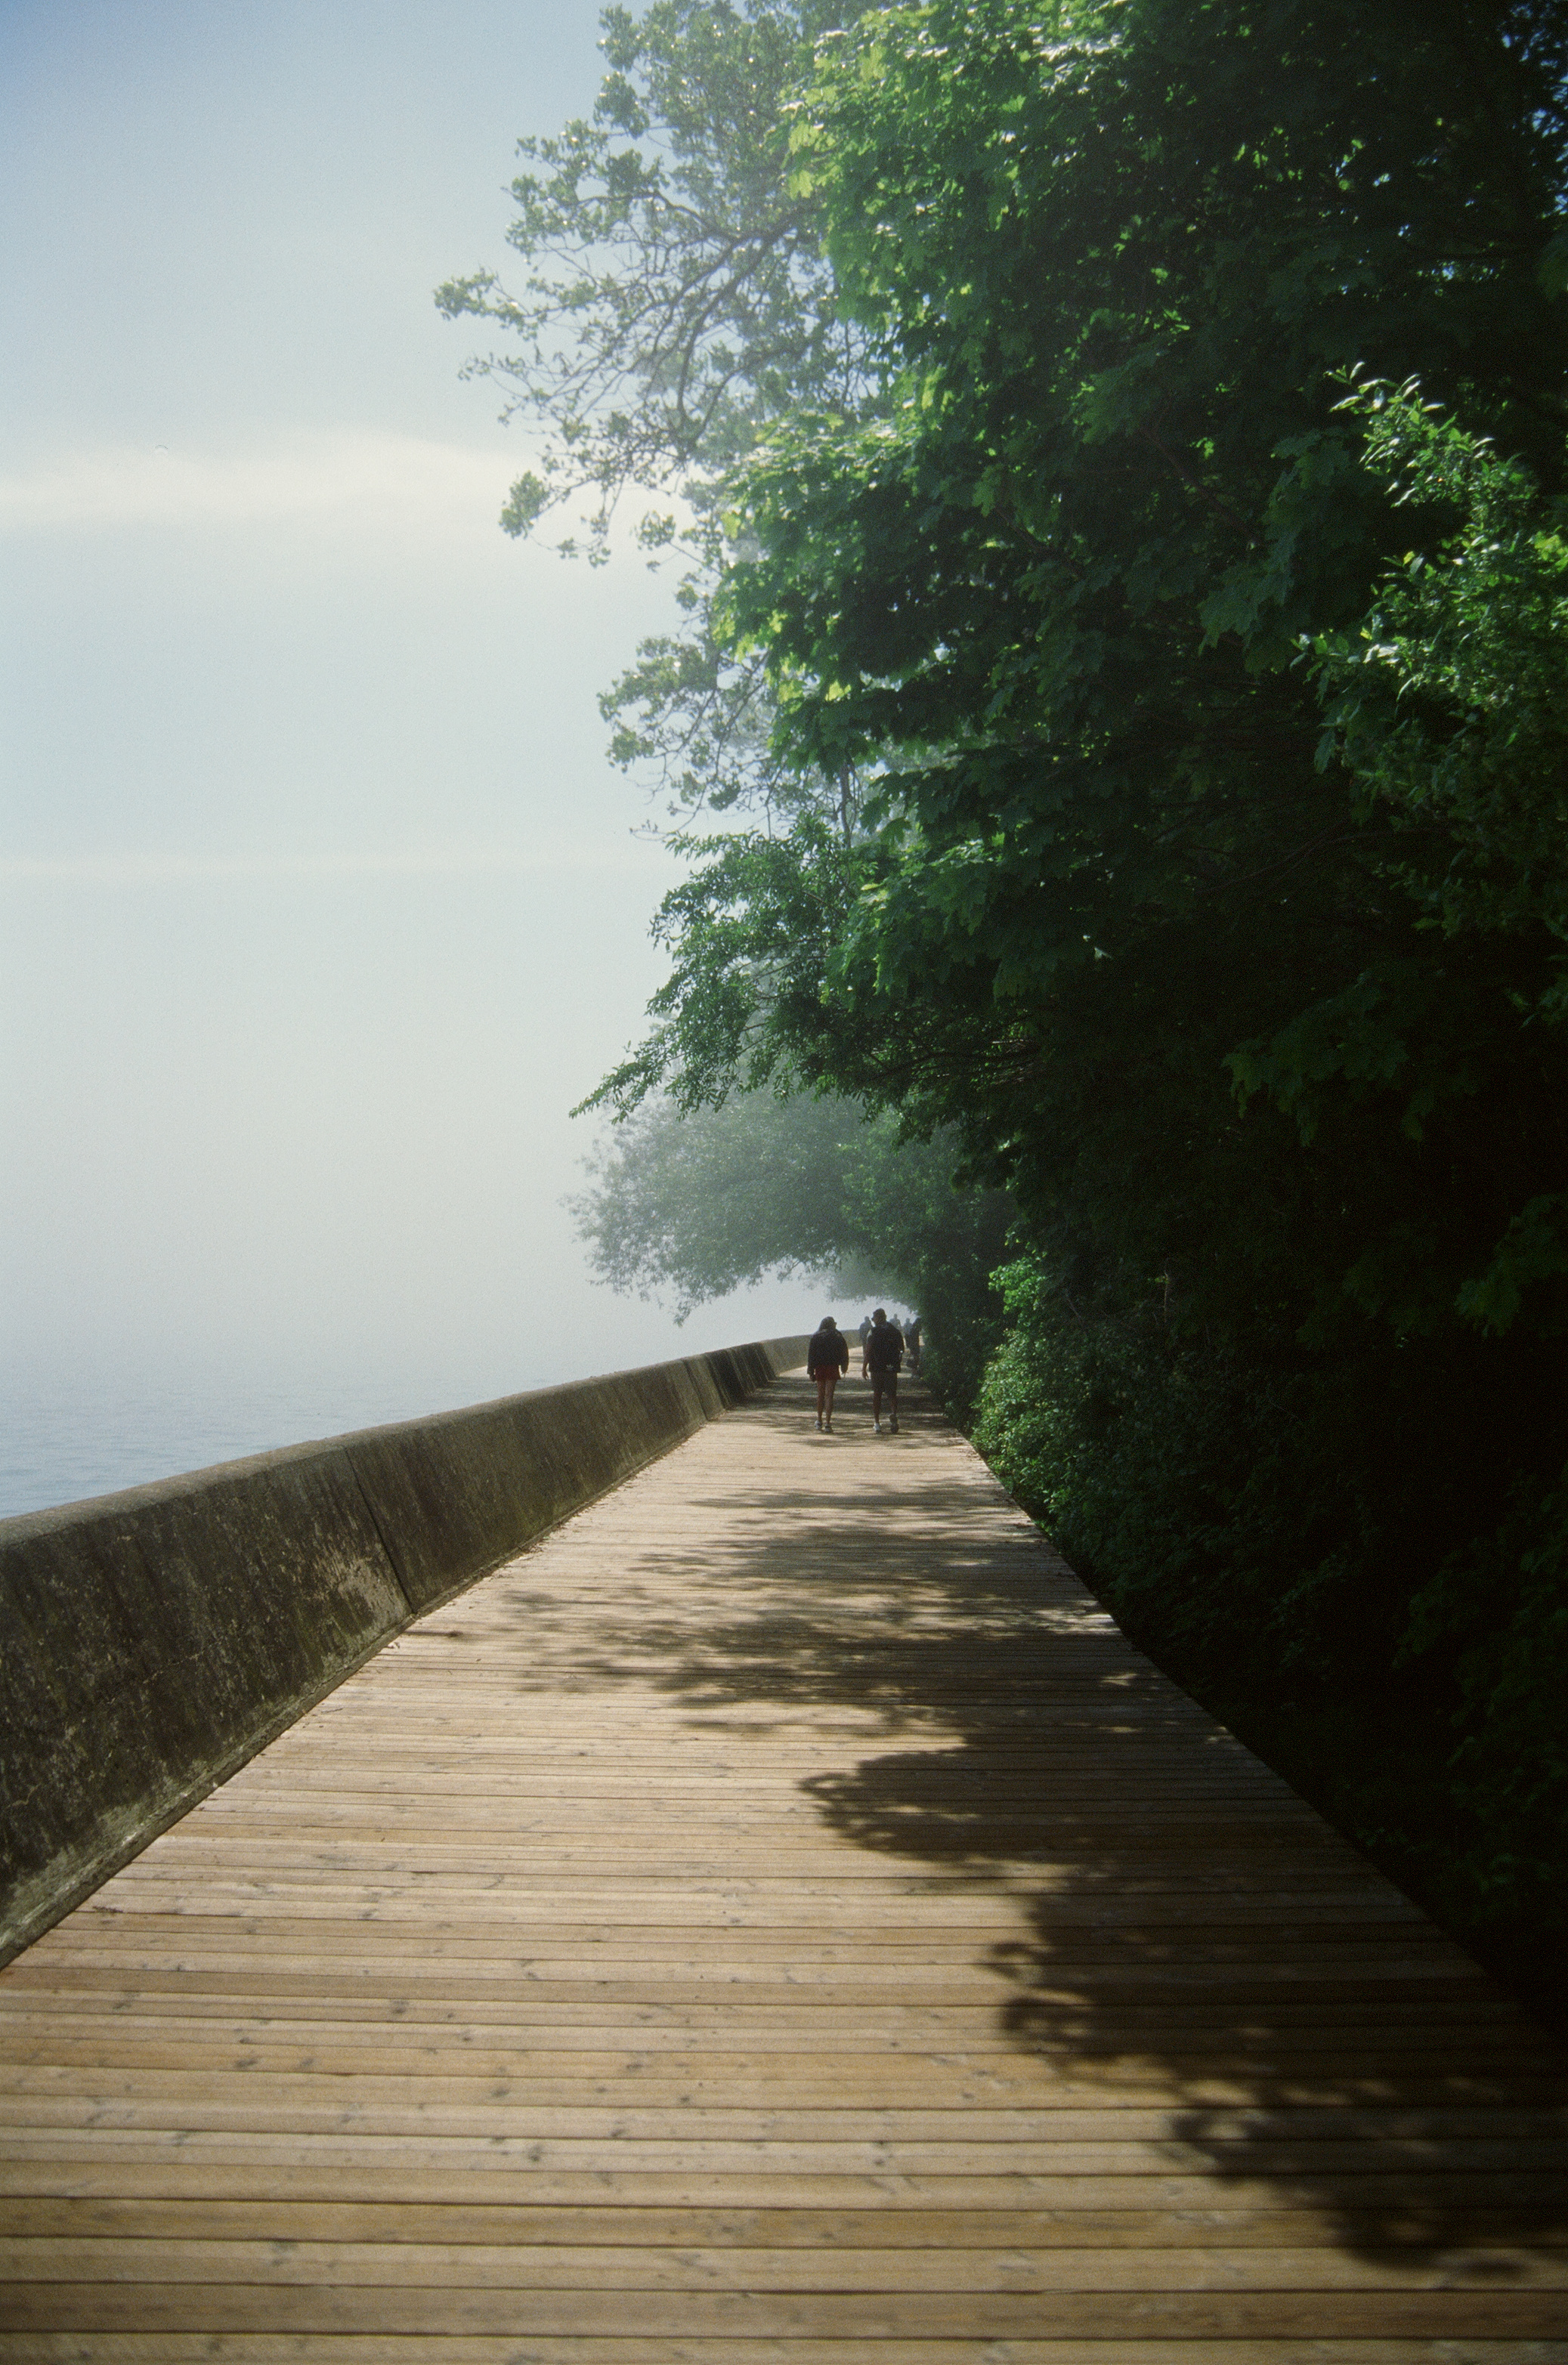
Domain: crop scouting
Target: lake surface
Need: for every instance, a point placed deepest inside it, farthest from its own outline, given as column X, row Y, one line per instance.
column 71, row 1433
column 63, row 1440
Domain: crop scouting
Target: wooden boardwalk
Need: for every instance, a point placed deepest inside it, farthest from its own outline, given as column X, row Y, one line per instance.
column 779, row 1920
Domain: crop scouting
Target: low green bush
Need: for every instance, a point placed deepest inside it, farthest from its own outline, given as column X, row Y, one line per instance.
column 1370, row 1587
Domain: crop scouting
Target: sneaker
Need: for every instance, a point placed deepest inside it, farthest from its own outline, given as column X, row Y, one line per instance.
column 828, row 1424
column 878, row 1427
column 894, row 1424
column 819, row 1420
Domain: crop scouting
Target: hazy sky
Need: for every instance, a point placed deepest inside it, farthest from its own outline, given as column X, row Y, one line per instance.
column 320, row 904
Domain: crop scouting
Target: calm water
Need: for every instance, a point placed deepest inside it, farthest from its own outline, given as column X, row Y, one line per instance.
column 92, row 1431
column 63, row 1439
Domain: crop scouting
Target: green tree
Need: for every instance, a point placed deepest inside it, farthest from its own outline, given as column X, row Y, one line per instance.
column 809, row 1186
column 1210, row 875
column 1050, row 593
column 675, row 304
column 1171, row 587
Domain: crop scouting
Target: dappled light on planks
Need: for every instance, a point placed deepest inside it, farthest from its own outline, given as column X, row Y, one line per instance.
column 776, row 1918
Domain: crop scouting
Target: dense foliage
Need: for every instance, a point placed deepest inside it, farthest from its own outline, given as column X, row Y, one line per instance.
column 1176, row 572
column 698, row 1204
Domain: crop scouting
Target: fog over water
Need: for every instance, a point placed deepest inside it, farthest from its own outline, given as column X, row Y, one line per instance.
column 320, row 904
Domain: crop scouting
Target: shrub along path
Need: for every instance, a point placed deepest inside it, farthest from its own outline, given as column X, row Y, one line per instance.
column 776, row 1918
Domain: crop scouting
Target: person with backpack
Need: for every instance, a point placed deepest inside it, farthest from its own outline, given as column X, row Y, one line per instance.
column 881, row 1352
column 826, row 1358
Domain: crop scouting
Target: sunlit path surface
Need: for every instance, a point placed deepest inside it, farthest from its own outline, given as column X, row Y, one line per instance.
column 776, row 1918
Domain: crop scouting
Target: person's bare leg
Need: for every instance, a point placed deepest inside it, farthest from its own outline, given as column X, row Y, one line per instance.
column 830, row 1383
column 825, row 1397
column 892, row 1400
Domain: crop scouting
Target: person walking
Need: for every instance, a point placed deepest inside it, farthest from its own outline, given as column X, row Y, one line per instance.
column 826, row 1358
column 881, row 1352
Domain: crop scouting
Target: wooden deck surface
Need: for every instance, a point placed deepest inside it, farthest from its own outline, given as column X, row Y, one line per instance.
column 776, row 1918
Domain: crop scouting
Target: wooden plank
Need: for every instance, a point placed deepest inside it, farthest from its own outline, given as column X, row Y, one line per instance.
column 1362, row 2205
column 1371, row 2038
column 1129, row 2025
column 555, row 2073
column 733, row 2266
column 975, row 2316
column 736, row 1935
column 536, row 1883
column 884, row 2230
column 127, row 2348
column 476, row 2104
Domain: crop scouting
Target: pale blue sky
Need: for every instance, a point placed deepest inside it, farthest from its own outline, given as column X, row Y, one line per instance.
column 318, row 903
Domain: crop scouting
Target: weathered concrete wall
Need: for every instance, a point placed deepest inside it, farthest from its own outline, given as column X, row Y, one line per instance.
column 152, row 1641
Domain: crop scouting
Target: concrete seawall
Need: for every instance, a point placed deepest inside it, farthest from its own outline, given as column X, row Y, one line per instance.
column 151, row 1641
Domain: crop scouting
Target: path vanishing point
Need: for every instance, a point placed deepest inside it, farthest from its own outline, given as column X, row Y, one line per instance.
column 777, row 1919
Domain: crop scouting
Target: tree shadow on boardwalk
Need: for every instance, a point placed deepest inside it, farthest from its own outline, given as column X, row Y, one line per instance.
column 1192, row 1935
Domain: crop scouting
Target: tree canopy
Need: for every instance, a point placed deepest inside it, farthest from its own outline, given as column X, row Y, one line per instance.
column 1136, row 606
column 677, row 304
column 807, row 1185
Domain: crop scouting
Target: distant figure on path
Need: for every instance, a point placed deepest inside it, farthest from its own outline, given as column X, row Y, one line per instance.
column 881, row 1352
column 826, row 1357
column 912, row 1340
